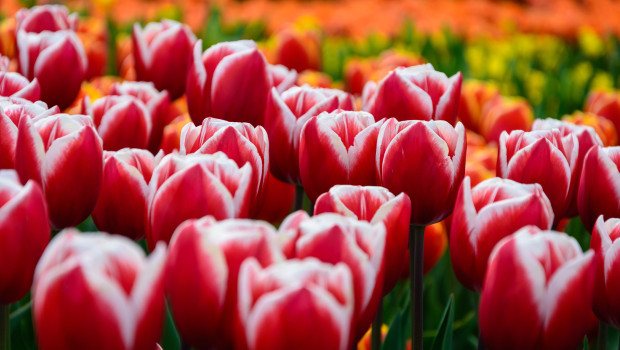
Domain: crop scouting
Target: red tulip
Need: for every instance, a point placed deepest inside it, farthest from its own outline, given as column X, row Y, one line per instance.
column 544, row 157
column 51, row 18
column 98, row 291
column 279, row 197
column 485, row 214
column 587, row 138
column 337, row 148
column 11, row 110
column 283, row 78
column 536, row 291
column 298, row 49
column 333, row 238
column 63, row 153
column 156, row 103
column 24, row 233
column 121, row 207
column 16, row 85
column 285, row 117
column 241, row 142
column 297, row 304
column 605, row 104
column 288, row 233
column 54, row 59
column 606, row 288
column 424, row 159
column 121, row 121
column 414, row 93
column 161, row 52
column 599, row 185
column 202, row 272
column 192, row 186
column 218, row 80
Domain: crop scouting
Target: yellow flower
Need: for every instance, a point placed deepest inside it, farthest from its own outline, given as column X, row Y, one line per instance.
column 590, row 42
column 602, row 80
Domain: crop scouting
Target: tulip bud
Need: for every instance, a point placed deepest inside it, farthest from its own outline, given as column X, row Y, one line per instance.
column 50, row 18
column 279, row 197
column 192, row 186
column 374, row 205
column 587, row 138
column 485, row 214
column 54, row 59
column 605, row 244
column 121, row 207
column 298, row 49
column 202, row 272
column 16, row 85
column 505, row 114
column 122, row 121
column 288, row 233
column 340, row 148
column 414, row 93
column 480, row 163
column 24, row 233
column 241, row 142
column 270, row 300
column 93, row 33
column 605, row 104
column 474, row 96
column 599, row 185
column 286, row 116
column 545, row 157
column 218, row 80
column 604, row 128
column 63, row 153
column 161, row 52
column 535, row 292
column 98, row 291
column 430, row 155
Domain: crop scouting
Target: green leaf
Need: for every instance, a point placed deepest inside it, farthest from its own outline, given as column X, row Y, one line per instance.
column 443, row 340
column 170, row 339
column 396, row 337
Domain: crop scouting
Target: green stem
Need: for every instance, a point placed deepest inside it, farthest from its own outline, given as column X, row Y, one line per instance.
column 480, row 342
column 375, row 333
column 416, row 261
column 299, row 197
column 5, row 328
column 601, row 340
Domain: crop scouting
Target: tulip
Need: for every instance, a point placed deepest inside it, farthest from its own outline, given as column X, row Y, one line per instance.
column 435, row 243
column 98, row 291
column 534, row 292
column 11, row 110
column 24, row 233
column 374, row 204
column 339, row 147
column 121, row 207
column 202, row 272
column 485, row 214
column 161, row 52
column 315, row 79
column 414, row 93
column 282, row 77
column 192, row 186
column 171, row 138
column 218, row 80
column 16, row 85
column 599, row 187
column 605, row 104
column 603, row 243
column 63, row 153
column 587, row 138
column 54, row 59
column 545, row 157
column 505, row 114
column 156, row 103
column 286, row 116
column 604, row 128
column 298, row 304
column 333, row 238
column 474, row 96
column 279, row 197
column 241, row 142
column 122, row 121
column 51, row 18
column 480, row 163
column 288, row 233
column 93, row 33
column 298, row 49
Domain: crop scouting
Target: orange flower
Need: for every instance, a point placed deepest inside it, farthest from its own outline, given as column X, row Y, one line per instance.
column 435, row 243
column 474, row 95
column 316, row 79
column 480, row 163
column 93, row 35
column 605, row 103
column 505, row 114
column 7, row 38
column 603, row 126
column 172, row 133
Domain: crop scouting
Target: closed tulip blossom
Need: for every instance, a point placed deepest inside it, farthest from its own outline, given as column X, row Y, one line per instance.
column 122, row 121
column 599, row 189
column 161, row 51
column 202, row 272
column 505, row 114
column 483, row 215
column 414, row 93
column 337, row 148
column 283, row 78
column 241, row 142
column 217, row 82
column 535, row 292
column 605, row 103
column 286, row 115
column 121, row 206
column 50, row 18
column 192, row 186
column 374, row 204
column 474, row 96
column 605, row 245
column 545, row 157
column 270, row 298
column 64, row 154
column 13, row 84
column 98, row 291
column 24, row 233
column 54, row 59
column 603, row 127
column 587, row 138
column 12, row 109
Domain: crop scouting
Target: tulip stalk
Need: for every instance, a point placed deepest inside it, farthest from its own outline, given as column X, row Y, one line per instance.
column 601, row 341
column 416, row 260
column 375, row 333
column 5, row 328
column 299, row 197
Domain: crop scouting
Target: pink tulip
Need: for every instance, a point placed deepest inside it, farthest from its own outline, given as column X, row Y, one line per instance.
column 51, row 18
column 605, row 244
column 16, row 85
column 282, row 77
